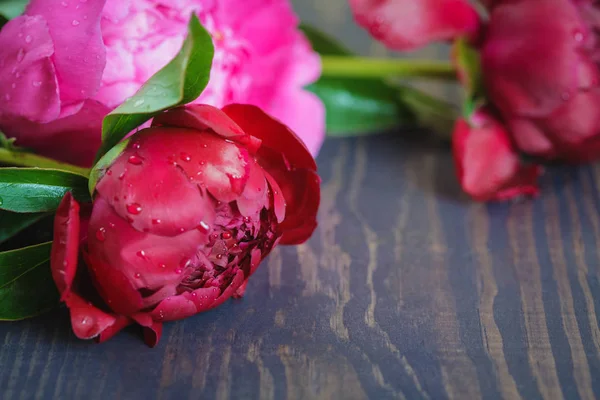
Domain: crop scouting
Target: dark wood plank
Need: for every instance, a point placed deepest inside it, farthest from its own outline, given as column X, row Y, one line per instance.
column 407, row 290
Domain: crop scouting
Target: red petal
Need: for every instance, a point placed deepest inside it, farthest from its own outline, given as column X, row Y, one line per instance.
column 165, row 171
column 65, row 247
column 152, row 334
column 273, row 134
column 531, row 63
column 141, row 260
column 202, row 117
column 185, row 304
column 87, row 321
column 487, row 166
column 254, row 197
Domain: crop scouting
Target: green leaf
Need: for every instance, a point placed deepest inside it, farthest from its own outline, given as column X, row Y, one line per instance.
column 31, row 190
column 12, row 8
column 355, row 106
column 360, row 106
column 12, row 223
column 26, row 285
column 100, row 167
column 181, row 81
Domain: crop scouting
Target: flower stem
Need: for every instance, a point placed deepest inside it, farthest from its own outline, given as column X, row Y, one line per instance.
column 363, row 67
column 24, row 159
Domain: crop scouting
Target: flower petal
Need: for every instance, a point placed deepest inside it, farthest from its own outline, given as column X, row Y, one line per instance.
column 202, row 117
column 408, row 24
column 79, row 53
column 159, row 192
column 74, row 139
column 273, row 134
column 27, row 76
column 87, row 320
column 65, row 247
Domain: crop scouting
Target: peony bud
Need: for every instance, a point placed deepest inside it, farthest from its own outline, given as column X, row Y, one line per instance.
column 182, row 218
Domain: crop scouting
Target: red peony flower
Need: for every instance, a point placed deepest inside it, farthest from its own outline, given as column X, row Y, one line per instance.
column 182, row 218
column 487, row 165
column 408, row 24
column 540, row 65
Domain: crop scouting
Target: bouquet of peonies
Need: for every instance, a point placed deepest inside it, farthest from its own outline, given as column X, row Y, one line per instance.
column 161, row 149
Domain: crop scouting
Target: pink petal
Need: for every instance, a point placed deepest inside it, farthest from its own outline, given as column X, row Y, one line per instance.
column 27, row 76
column 79, row 56
column 74, row 139
column 408, row 24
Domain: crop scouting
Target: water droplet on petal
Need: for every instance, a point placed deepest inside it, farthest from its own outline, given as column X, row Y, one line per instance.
column 134, row 208
column 203, row 227
column 577, row 35
column 138, row 275
column 156, row 221
column 205, row 145
column 109, row 172
column 219, row 256
column 101, row 234
column 111, row 225
column 141, row 254
column 247, row 219
column 75, row 22
column 20, row 55
column 135, row 160
column 17, row 74
column 226, row 235
column 84, row 321
column 163, row 265
column 64, row 3
column 28, row 39
column 136, row 146
column 178, row 271
column 565, row 96
column 36, row 83
column 122, row 175
column 7, row 96
column 14, row 85
column 185, row 157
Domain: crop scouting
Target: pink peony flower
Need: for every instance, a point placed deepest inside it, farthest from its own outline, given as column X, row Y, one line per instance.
column 65, row 64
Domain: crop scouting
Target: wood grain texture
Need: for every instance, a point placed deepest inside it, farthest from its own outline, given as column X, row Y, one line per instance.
column 408, row 290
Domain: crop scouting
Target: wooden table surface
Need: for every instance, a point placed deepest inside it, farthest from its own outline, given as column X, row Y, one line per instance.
column 407, row 290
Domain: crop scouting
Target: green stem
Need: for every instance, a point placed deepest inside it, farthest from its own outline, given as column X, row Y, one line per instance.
column 23, row 159
column 363, row 67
